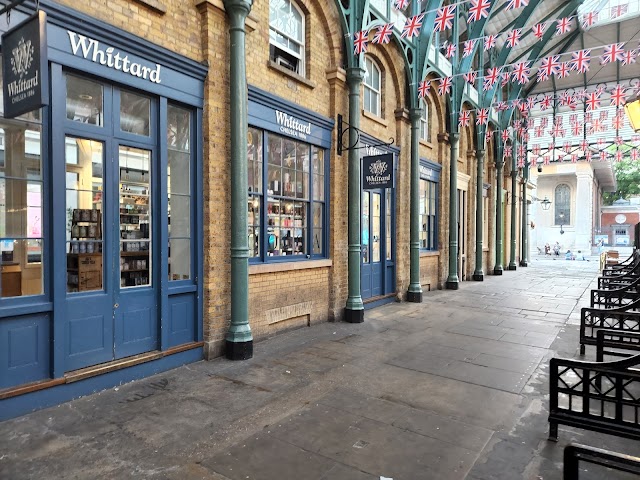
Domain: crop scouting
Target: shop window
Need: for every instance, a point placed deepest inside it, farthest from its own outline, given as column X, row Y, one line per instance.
column 135, row 113
column 563, row 205
column 425, row 124
column 287, row 190
column 485, row 216
column 179, row 191
column 287, row 35
column 84, row 101
column 428, row 215
column 372, row 87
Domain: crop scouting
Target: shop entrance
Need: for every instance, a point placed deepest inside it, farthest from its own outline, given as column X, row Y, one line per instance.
column 110, row 199
column 462, row 234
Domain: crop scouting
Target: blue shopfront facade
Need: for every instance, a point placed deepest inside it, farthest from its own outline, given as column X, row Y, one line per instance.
column 101, row 228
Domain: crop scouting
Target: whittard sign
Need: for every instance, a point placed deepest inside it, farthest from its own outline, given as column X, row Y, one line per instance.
column 24, row 66
column 377, row 171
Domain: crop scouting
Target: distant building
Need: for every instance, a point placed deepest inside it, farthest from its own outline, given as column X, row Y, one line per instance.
column 617, row 222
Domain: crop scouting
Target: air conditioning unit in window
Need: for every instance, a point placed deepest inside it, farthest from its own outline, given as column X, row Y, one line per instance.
column 286, row 63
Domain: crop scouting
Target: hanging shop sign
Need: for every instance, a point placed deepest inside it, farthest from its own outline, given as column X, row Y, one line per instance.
column 377, row 171
column 24, row 66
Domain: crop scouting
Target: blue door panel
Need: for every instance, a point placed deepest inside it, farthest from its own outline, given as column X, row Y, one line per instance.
column 89, row 330
column 181, row 319
column 136, row 323
column 24, row 349
column 365, row 281
column 389, row 282
column 377, row 279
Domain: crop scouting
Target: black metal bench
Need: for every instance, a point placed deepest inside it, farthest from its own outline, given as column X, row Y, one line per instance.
column 616, row 297
column 626, row 318
column 575, row 453
column 626, row 264
column 616, row 343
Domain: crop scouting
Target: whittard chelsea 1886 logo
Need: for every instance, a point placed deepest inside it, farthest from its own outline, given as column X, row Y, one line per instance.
column 22, row 57
column 377, row 171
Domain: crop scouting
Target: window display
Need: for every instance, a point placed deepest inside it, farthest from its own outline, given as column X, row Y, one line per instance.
column 428, row 215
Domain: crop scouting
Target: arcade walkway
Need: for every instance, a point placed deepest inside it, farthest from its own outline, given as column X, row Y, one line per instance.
column 448, row 389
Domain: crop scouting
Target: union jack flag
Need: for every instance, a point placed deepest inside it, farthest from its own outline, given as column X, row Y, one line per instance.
column 531, row 102
column 412, row 27
column 557, row 131
column 561, row 156
column 588, row 117
column 469, row 45
column 567, row 146
column 563, row 26
column 488, row 136
column 576, row 129
column 587, row 155
column 383, row 33
column 629, row 57
column 505, row 77
column 618, row 141
column 444, row 18
column 533, row 161
column 568, row 100
column 618, row 96
column 588, row 19
column 635, row 138
column 601, row 143
column 450, row 50
column 558, row 120
column 360, row 42
column 521, row 72
column 612, row 53
column 423, row 88
column 491, row 78
column 501, row 106
column 538, row 30
column 513, row 4
column 550, row 65
column 593, row 101
column 539, row 131
column 604, row 115
column 546, row 160
column 445, row 86
column 618, row 122
column 521, row 162
column 490, row 42
column 505, row 135
column 544, row 122
column 470, row 77
column 573, row 118
column 574, row 158
column 584, row 145
column 596, row 127
column 513, row 37
column 482, row 116
column 563, row 70
column 635, row 154
column 522, row 150
column 545, row 103
column 401, row 4
column 580, row 60
column 507, row 151
column 619, row 11
column 619, row 155
column 478, row 10
column 536, row 150
column 465, row 118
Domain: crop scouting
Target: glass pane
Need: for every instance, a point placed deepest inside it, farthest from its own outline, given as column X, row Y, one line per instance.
column 273, row 227
column 375, row 228
column 84, row 101
column 254, row 226
column 365, row 227
column 254, row 151
column 388, row 212
column 179, row 215
column 84, row 215
column 367, row 100
column 135, row 217
column 179, row 260
column 300, row 229
column 178, row 129
column 17, row 279
column 318, row 233
column 135, row 113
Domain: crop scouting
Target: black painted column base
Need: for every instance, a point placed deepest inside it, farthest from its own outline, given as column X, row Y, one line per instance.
column 414, row 297
column 513, row 267
column 497, row 271
column 452, row 285
column 238, row 350
column 478, row 277
column 353, row 316
column 524, row 263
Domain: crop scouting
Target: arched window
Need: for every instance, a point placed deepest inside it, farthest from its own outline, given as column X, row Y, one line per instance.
column 286, row 35
column 563, row 205
column 425, row 124
column 372, row 87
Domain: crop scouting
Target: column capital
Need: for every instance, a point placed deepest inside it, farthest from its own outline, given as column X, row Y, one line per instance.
column 355, row 75
column 415, row 114
column 455, row 136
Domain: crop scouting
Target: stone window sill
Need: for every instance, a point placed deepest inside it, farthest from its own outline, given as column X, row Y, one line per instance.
column 425, row 143
column 292, row 75
column 429, row 253
column 375, row 118
column 257, row 269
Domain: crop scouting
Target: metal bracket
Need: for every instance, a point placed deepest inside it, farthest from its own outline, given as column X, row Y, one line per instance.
column 342, row 148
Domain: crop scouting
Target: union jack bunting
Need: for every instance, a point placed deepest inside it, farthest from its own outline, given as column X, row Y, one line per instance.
column 593, row 101
column 505, row 135
column 533, row 161
column 588, row 117
column 539, row 131
column 587, row 155
column 538, row 30
column 550, row 65
column 580, row 60
column 618, row 141
column 505, row 77
column 601, row 143
column 612, row 53
column 465, row 118
column 561, row 156
column 513, row 4
column 444, row 18
column 445, row 86
column 557, row 131
column 360, row 41
column 635, row 138
column 567, row 100
column 544, row 122
column 488, row 136
column 558, row 120
column 491, row 78
column 604, row 115
column 584, row 145
column 634, row 153
column 574, row 158
column 423, row 88
column 536, row 150
column 470, row 77
column 563, row 70
column 546, row 160
column 469, row 45
column 401, row 4
column 383, row 33
column 545, row 103
column 522, row 150
column 521, row 72
column 576, row 129
column 478, row 10
column 588, row 19
column 450, row 50
column 618, row 122
column 563, row 26
column 412, row 27
column 596, row 127
column 567, row 146
column 531, row 102
column 629, row 57
column 619, row 11
column 482, row 116
column 573, row 118
column 490, row 42
column 618, row 96
column 521, row 163
column 501, row 106
column 619, row 155
column 513, row 37
column 507, row 151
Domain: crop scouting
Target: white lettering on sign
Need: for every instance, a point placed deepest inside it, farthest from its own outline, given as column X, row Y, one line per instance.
column 292, row 126
column 90, row 49
column 371, row 151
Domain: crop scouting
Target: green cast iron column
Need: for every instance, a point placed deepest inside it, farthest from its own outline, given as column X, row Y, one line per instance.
column 414, row 293
column 452, row 279
column 514, row 204
column 478, row 275
column 239, row 341
column 354, row 310
column 524, row 255
column 497, row 270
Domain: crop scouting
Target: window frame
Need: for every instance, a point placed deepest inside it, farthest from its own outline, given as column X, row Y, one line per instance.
column 302, row 56
column 425, row 121
column 562, row 206
column 429, row 187
column 372, row 91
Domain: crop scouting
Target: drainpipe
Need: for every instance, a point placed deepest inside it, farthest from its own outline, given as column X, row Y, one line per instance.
column 524, row 255
column 414, row 294
column 497, row 270
column 354, row 310
column 239, row 341
column 478, row 275
column 452, row 280
column 514, row 202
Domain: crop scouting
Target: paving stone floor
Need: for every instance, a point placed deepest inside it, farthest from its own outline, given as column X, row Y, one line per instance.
column 453, row 388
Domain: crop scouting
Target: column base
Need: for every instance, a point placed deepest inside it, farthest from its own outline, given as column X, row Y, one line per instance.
column 452, row 285
column 524, row 263
column 497, row 271
column 353, row 316
column 238, row 350
column 478, row 277
column 414, row 297
column 513, row 267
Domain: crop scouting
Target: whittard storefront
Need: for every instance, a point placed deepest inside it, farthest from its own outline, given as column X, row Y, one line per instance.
column 100, row 220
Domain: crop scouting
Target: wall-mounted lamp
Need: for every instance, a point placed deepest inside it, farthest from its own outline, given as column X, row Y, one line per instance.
column 545, row 203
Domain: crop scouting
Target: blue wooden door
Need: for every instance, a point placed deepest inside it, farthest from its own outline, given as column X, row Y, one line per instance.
column 373, row 243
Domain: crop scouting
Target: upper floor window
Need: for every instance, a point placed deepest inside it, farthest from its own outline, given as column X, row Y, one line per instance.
column 563, row 205
column 425, row 127
column 372, row 84
column 286, row 35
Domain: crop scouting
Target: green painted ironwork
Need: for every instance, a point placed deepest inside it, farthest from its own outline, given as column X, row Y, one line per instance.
column 524, row 251
column 514, row 204
column 497, row 270
column 478, row 274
